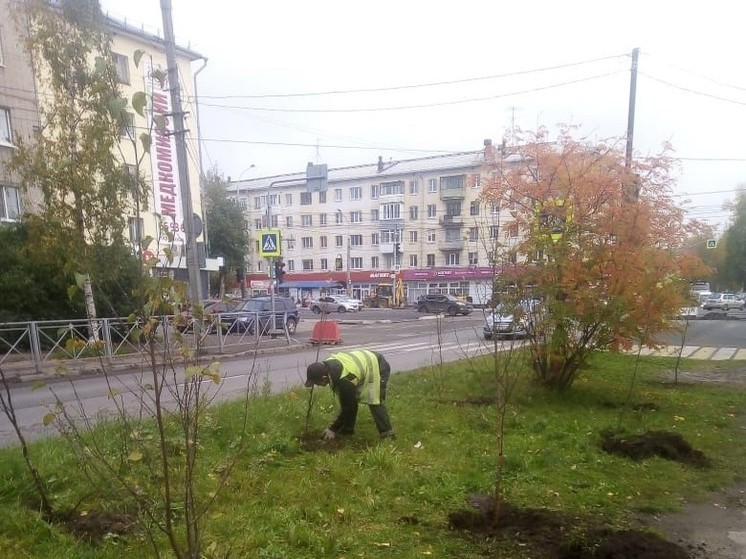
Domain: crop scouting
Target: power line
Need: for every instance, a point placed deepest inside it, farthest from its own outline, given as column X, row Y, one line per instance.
column 414, row 86
column 693, row 91
column 419, row 106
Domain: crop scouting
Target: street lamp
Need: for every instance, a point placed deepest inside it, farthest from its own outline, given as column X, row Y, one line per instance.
column 349, row 280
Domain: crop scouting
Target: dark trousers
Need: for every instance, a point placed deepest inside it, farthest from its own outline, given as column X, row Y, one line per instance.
column 380, row 413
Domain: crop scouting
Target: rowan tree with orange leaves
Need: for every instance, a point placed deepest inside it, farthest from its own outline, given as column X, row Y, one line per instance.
column 600, row 246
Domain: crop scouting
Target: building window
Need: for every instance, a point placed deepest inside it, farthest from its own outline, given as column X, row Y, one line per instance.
column 512, row 230
column 306, row 220
column 392, row 188
column 257, row 224
column 356, row 217
column 290, row 265
column 412, row 260
column 128, row 125
column 413, row 236
column 339, row 218
column 452, row 258
column 453, row 208
column 431, row 260
column 453, row 234
column 339, row 241
column 375, row 262
column 290, row 243
column 473, row 234
column 495, row 209
column 474, row 208
column 305, row 199
column 324, row 241
column 477, row 181
column 473, row 258
column 374, row 215
column 306, row 242
column 324, row 264
column 374, row 189
column 375, row 239
column 431, row 211
column 356, row 263
column 493, row 232
column 414, row 187
column 356, row 193
column 356, row 240
column 288, row 199
column 432, row 185
column 136, row 228
column 392, row 211
column 10, row 203
column 122, row 67
column 322, row 219
column 307, row 264
column 6, row 137
column 289, row 221
column 337, row 194
column 413, row 213
column 322, row 197
column 431, row 236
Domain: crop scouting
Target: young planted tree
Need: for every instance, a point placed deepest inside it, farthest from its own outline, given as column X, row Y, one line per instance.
column 601, row 244
column 86, row 192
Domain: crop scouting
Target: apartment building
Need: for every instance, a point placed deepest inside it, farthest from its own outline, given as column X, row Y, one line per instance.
column 160, row 218
column 420, row 221
column 19, row 113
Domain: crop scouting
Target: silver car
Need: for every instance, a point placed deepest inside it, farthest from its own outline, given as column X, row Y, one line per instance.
column 723, row 301
column 334, row 303
column 509, row 322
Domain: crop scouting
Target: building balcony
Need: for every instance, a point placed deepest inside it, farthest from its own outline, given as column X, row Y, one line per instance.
column 452, row 193
column 447, row 245
column 452, row 220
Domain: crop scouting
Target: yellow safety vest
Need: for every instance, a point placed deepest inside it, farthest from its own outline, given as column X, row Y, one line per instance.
column 362, row 366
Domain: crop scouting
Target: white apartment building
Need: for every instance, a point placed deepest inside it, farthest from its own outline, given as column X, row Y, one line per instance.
column 345, row 237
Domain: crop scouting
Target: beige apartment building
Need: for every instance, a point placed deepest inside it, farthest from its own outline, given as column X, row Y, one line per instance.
column 345, row 237
column 21, row 92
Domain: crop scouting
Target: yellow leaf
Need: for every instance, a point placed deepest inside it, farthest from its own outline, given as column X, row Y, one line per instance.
column 135, row 456
column 48, row 419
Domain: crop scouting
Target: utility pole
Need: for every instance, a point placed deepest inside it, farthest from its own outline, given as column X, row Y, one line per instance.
column 631, row 111
column 195, row 291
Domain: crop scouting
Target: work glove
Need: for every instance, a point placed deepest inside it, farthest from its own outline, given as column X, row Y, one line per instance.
column 328, row 435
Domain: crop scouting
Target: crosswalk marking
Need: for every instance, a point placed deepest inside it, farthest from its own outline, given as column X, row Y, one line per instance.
column 474, row 346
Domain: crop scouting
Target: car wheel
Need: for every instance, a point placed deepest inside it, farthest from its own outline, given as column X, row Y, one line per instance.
column 453, row 311
column 315, row 310
column 725, row 308
column 421, row 308
column 291, row 324
column 341, row 309
column 487, row 336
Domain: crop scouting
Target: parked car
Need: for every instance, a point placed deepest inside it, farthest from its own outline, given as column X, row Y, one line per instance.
column 334, row 303
column 508, row 321
column 259, row 309
column 210, row 308
column 443, row 303
column 723, row 301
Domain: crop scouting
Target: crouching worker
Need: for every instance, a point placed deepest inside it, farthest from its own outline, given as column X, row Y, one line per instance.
column 358, row 376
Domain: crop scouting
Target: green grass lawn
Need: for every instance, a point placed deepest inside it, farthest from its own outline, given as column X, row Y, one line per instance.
column 364, row 497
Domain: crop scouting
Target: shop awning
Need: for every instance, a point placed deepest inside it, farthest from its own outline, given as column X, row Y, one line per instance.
column 312, row 284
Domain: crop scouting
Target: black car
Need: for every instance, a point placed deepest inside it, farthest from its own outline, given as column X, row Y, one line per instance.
column 259, row 309
column 441, row 303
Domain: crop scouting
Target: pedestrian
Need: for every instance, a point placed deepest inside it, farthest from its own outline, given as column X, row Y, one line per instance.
column 358, row 376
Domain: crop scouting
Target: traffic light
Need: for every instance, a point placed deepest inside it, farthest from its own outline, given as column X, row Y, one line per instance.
column 397, row 248
column 239, row 274
column 279, row 271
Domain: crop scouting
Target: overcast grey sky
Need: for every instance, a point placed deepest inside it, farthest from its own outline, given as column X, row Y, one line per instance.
column 538, row 63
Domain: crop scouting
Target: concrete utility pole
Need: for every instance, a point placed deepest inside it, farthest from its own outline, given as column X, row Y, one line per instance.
column 631, row 111
column 195, row 291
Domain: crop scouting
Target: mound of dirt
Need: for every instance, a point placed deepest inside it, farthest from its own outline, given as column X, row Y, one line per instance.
column 665, row 444
column 549, row 535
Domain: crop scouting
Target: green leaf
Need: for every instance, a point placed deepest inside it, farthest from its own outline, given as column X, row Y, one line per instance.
column 48, row 418
column 117, row 106
column 139, row 102
column 80, row 279
column 160, row 76
column 146, row 141
column 160, row 123
column 134, row 456
column 72, row 291
column 137, row 56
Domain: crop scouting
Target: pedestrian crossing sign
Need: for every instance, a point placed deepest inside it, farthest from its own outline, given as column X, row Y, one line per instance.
column 270, row 244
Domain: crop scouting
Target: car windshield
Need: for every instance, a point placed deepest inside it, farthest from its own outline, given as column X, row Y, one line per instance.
column 255, row 306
